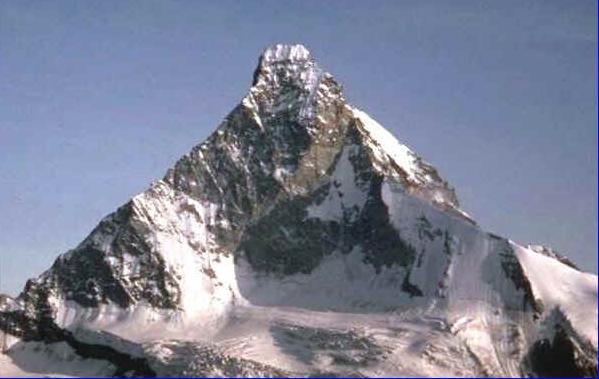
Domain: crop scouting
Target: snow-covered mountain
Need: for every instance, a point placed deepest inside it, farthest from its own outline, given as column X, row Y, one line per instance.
column 301, row 238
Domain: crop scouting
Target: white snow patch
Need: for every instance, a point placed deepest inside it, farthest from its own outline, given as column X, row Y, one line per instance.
column 401, row 154
column 344, row 192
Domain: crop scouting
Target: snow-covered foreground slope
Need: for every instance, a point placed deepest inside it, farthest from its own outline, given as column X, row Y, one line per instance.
column 300, row 238
column 566, row 288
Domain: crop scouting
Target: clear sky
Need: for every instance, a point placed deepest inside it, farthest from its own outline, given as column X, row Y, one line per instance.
column 97, row 99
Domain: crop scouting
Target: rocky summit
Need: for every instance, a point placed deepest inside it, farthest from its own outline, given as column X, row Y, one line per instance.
column 300, row 238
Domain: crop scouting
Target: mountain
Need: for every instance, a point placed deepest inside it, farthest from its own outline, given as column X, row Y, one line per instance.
column 301, row 238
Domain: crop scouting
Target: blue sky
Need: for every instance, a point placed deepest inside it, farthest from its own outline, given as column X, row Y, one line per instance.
column 100, row 98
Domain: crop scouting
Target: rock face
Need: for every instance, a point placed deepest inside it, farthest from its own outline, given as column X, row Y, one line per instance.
column 300, row 207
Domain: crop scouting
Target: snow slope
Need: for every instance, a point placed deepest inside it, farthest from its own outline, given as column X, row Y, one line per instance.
column 575, row 292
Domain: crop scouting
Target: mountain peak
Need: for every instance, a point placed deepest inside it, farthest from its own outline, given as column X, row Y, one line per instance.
column 288, row 80
column 285, row 52
column 284, row 65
